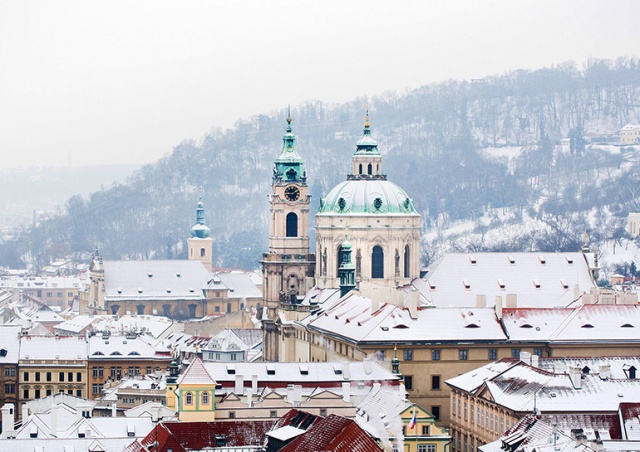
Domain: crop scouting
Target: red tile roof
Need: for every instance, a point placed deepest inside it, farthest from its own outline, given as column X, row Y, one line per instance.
column 333, row 434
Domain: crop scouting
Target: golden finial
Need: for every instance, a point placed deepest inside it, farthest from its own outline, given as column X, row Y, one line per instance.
column 366, row 120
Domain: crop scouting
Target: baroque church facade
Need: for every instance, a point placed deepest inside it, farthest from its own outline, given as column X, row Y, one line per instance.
column 367, row 230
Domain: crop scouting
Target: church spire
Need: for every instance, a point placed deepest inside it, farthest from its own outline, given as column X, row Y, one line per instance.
column 200, row 230
column 289, row 166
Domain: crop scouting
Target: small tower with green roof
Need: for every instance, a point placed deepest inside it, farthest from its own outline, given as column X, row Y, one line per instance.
column 200, row 244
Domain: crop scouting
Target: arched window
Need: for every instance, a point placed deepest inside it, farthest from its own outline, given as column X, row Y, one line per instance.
column 377, row 262
column 188, row 398
column 377, row 168
column 140, row 309
column 205, row 398
column 360, row 172
column 340, row 253
column 407, row 261
column 292, row 225
column 202, row 252
column 370, row 169
column 114, row 309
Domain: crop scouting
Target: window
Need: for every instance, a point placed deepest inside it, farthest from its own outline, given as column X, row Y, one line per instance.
column 425, row 430
column 380, row 355
column 98, row 372
column 69, row 294
column 435, row 355
column 115, row 372
column 233, row 357
column 515, row 353
column 323, row 412
column 96, row 388
column 463, row 354
column 48, row 376
column 70, row 377
column 78, row 392
column 25, row 376
column 10, row 389
column 232, row 414
column 188, row 399
column 537, row 351
column 435, row 382
column 78, row 377
column 202, row 252
column 406, row 261
column 59, row 294
column 273, row 413
column 493, row 354
column 9, row 371
column 205, row 398
column 408, row 382
column 149, row 370
column 292, row 225
column 25, row 393
column 140, row 309
column 377, row 262
column 49, row 294
column 426, row 448
column 408, row 355
column 36, row 394
column 61, row 375
column 48, row 392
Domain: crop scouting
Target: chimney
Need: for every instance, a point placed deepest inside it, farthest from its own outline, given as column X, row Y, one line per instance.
column 114, row 409
column 525, row 357
column 249, row 392
column 535, row 361
column 499, row 307
column 576, row 292
column 239, row 384
column 25, row 413
column 605, row 371
column 346, row 391
column 481, row 301
column 375, row 304
column 290, row 396
column 8, row 428
column 412, row 304
column 345, row 371
column 575, row 374
column 367, row 366
column 254, row 384
column 512, row 300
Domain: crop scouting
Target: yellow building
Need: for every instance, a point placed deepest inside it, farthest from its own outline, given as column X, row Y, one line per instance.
column 195, row 394
column 423, row 435
column 630, row 134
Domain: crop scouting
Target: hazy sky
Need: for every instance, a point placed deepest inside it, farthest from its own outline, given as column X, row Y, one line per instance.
column 97, row 82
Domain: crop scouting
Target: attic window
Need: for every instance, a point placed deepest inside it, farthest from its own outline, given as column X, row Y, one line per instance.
column 115, row 353
column 178, row 274
column 168, row 290
column 337, row 369
column 150, row 275
column 231, row 369
column 501, row 284
column 512, row 260
column 472, row 259
column 569, row 260
column 3, row 352
column 564, row 284
column 466, row 284
column 536, row 283
column 119, row 290
column 98, row 354
column 542, row 259
column 432, row 285
column 401, row 325
column 271, row 369
column 191, row 290
column 587, row 325
column 472, row 325
column 134, row 353
column 624, row 325
column 384, row 328
column 304, row 369
column 139, row 290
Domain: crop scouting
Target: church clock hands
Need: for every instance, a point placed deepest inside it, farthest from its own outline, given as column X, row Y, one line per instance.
column 292, row 193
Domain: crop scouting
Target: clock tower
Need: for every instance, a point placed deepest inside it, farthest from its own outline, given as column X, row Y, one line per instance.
column 288, row 267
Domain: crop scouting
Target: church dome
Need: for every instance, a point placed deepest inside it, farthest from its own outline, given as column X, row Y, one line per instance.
column 200, row 230
column 369, row 196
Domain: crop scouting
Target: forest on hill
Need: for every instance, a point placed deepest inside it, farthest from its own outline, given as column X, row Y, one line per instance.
column 488, row 152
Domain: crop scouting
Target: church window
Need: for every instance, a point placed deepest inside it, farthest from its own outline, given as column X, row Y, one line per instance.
column 407, row 261
column 377, row 262
column 189, row 398
column 292, row 225
column 397, row 262
column 358, row 263
column 342, row 204
column 202, row 252
column 340, row 256
column 369, row 169
column 291, row 174
column 324, row 262
column 377, row 203
column 205, row 398
column 360, row 172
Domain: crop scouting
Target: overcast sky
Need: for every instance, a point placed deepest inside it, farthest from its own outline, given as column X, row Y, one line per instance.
column 99, row 82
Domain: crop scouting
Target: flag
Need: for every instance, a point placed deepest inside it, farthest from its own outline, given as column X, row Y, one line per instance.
column 412, row 424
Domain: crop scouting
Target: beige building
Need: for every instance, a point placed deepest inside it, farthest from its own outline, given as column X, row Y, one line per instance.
column 630, row 134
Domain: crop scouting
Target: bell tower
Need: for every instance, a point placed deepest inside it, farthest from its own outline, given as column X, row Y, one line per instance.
column 288, row 267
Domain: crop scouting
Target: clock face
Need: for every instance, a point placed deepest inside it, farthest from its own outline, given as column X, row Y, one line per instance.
column 291, row 193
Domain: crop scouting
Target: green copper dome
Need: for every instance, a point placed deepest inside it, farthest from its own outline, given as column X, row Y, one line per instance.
column 367, row 196
column 289, row 166
column 200, row 230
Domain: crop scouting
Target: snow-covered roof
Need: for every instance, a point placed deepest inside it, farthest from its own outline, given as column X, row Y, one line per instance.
column 154, row 280
column 272, row 374
column 47, row 348
column 9, row 343
column 123, row 347
column 240, row 285
column 76, row 324
column 537, row 279
column 356, row 318
column 156, row 326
